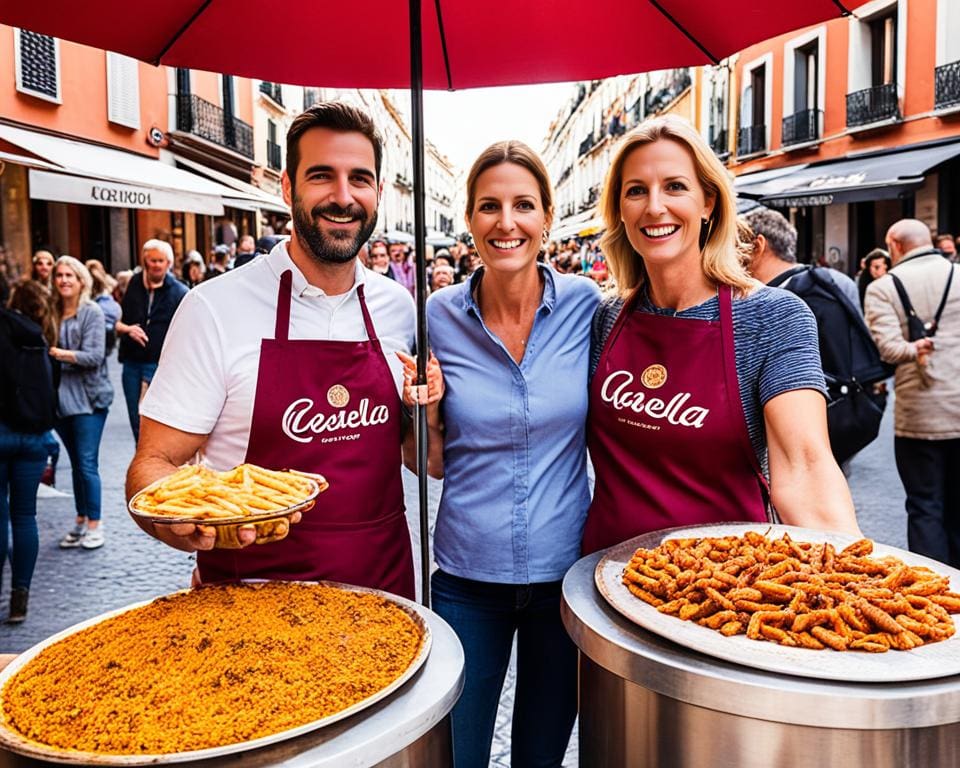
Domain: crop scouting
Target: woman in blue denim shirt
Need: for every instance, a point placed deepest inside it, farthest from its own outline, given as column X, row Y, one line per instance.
column 27, row 328
column 513, row 343
column 85, row 394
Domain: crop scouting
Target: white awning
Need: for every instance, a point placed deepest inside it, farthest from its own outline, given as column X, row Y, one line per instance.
column 122, row 175
column 64, row 188
column 252, row 194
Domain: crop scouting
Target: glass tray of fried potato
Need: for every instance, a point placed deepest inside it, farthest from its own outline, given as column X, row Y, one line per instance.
column 790, row 600
column 242, row 496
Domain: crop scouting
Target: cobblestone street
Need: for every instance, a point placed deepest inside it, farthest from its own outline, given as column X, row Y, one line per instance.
column 72, row 585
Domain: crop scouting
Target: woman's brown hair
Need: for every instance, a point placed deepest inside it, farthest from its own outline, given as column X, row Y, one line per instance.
column 517, row 153
column 32, row 301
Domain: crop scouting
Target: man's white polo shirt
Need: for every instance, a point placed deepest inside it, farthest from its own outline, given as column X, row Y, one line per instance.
column 207, row 377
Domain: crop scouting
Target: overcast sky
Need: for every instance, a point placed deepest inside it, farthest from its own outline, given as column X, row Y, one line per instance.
column 463, row 123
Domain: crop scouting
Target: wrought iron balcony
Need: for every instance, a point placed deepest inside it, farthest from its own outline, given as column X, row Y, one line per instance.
column 201, row 118
column 751, row 139
column 720, row 142
column 273, row 90
column 872, row 105
column 273, row 155
column 585, row 145
column 801, row 126
column 948, row 85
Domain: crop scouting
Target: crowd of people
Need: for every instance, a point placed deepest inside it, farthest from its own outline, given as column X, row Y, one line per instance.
column 695, row 382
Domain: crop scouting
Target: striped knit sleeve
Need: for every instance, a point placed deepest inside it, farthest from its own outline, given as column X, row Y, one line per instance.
column 603, row 320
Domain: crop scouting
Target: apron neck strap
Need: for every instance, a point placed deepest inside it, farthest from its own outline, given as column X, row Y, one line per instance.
column 283, row 306
column 725, row 296
column 367, row 322
column 284, row 293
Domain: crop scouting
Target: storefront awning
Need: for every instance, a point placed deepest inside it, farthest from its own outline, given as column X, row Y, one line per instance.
column 95, row 175
column 249, row 195
column 853, row 179
column 571, row 226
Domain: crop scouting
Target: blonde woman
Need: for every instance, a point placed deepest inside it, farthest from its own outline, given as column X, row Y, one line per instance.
column 707, row 401
column 85, row 394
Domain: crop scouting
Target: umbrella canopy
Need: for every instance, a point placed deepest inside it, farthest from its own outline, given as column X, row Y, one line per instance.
column 464, row 44
column 452, row 44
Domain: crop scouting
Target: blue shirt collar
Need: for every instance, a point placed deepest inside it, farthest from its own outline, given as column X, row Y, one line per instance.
column 548, row 302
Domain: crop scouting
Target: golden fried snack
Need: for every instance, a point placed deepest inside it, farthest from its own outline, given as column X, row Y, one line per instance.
column 210, row 667
column 196, row 492
column 796, row 594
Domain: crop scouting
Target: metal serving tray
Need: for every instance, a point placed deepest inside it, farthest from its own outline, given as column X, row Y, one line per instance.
column 934, row 660
column 16, row 742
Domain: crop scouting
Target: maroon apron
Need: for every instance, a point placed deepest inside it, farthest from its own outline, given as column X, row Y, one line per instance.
column 329, row 407
column 666, row 431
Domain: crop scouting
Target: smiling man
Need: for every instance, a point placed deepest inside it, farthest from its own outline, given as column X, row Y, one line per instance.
column 290, row 363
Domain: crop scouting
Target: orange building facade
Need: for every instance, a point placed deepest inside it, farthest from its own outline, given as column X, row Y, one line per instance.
column 101, row 152
column 848, row 126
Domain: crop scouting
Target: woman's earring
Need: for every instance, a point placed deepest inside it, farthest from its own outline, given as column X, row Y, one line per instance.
column 706, row 225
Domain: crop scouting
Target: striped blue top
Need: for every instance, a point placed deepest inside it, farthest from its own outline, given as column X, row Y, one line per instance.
column 775, row 346
column 515, row 492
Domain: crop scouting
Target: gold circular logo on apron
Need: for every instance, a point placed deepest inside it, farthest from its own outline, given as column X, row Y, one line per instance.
column 338, row 396
column 654, row 376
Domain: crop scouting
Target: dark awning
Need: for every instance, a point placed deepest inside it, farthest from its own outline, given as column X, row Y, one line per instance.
column 852, row 179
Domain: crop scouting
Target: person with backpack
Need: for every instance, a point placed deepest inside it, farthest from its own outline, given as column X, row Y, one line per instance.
column 27, row 411
column 854, row 372
column 914, row 314
column 85, row 394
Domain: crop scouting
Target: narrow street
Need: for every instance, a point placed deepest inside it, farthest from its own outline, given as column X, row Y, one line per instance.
column 72, row 585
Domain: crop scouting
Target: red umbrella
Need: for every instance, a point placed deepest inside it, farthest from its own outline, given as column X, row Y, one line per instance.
column 454, row 45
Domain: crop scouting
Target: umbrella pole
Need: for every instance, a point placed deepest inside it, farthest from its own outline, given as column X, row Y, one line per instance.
column 420, row 242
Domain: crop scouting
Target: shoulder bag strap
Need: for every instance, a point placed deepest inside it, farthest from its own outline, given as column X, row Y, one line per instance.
column 935, row 323
column 904, row 299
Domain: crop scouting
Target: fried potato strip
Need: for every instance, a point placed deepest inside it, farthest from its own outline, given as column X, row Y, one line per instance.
column 797, row 594
column 199, row 493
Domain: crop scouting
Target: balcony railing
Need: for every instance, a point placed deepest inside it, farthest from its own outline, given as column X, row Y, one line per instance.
column 801, row 126
column 872, row 105
column 585, row 145
column 273, row 155
column 720, row 142
column 751, row 139
column 948, row 85
column 201, row 118
column 273, row 90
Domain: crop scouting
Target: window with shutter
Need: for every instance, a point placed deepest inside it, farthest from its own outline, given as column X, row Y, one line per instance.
column 123, row 90
column 37, row 64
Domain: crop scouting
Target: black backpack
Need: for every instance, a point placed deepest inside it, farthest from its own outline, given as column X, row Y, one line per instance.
column 850, row 359
column 28, row 397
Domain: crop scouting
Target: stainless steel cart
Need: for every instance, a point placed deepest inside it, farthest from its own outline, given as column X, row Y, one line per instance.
column 645, row 701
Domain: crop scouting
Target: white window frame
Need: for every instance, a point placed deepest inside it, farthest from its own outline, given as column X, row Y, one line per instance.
column 948, row 32
column 19, row 71
column 134, row 122
column 790, row 62
column 859, row 77
column 747, row 82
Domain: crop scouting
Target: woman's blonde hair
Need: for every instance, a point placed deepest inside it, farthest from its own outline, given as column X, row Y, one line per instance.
column 720, row 256
column 83, row 275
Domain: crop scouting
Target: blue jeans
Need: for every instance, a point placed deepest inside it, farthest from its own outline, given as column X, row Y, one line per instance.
column 81, row 436
column 23, row 458
column 485, row 617
column 133, row 376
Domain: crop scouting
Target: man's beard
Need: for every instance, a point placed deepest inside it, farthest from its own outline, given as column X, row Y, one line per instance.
column 339, row 246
